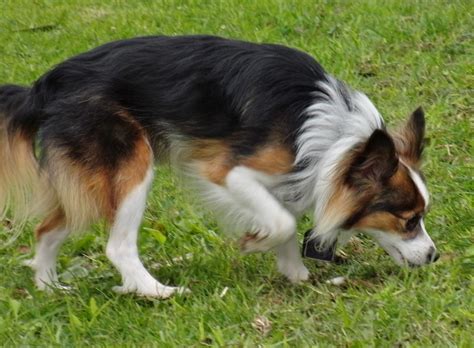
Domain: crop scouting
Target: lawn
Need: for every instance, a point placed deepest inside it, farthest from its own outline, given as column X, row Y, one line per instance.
column 402, row 54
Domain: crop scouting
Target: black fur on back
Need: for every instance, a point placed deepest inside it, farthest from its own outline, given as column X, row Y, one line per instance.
column 195, row 86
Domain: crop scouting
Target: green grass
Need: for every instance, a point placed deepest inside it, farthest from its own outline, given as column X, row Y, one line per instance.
column 401, row 53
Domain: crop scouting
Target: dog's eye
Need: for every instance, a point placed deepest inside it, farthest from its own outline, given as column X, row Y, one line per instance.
column 412, row 223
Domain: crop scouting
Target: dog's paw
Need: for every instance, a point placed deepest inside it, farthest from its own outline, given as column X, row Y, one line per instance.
column 295, row 273
column 51, row 287
column 159, row 291
column 29, row 263
column 250, row 242
column 269, row 236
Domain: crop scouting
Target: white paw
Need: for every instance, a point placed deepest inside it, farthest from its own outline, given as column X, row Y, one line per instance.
column 50, row 286
column 158, row 291
column 45, row 279
column 295, row 273
column 29, row 263
column 275, row 233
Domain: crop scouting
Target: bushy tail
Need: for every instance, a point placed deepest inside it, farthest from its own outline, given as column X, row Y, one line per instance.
column 19, row 170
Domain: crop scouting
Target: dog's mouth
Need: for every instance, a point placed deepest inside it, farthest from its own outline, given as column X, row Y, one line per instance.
column 397, row 255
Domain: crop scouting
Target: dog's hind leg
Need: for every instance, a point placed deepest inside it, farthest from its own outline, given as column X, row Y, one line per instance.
column 50, row 234
column 100, row 166
column 131, row 187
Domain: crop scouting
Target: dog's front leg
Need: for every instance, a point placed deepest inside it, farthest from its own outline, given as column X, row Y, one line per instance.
column 289, row 261
column 272, row 224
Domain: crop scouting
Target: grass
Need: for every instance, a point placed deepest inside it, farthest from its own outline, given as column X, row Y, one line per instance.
column 401, row 53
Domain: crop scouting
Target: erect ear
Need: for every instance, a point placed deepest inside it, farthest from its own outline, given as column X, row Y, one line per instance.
column 377, row 161
column 410, row 139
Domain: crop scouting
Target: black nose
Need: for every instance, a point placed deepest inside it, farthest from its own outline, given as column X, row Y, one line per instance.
column 433, row 255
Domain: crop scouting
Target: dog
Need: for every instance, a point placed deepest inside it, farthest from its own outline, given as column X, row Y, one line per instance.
column 260, row 131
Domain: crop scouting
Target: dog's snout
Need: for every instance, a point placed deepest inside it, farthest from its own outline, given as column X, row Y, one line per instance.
column 433, row 255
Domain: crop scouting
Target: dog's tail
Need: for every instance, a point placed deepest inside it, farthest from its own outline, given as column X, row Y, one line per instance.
column 19, row 170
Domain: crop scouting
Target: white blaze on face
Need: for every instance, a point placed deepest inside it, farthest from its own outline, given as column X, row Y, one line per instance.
column 420, row 185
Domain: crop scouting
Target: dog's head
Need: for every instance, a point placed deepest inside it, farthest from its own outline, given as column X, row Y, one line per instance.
column 384, row 194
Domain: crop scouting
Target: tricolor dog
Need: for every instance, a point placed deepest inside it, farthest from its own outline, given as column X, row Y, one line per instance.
column 261, row 131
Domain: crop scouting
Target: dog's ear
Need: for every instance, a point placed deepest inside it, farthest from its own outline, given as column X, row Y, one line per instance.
column 376, row 162
column 410, row 139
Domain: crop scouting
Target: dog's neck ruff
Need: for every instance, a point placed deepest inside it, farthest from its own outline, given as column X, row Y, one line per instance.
column 338, row 119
